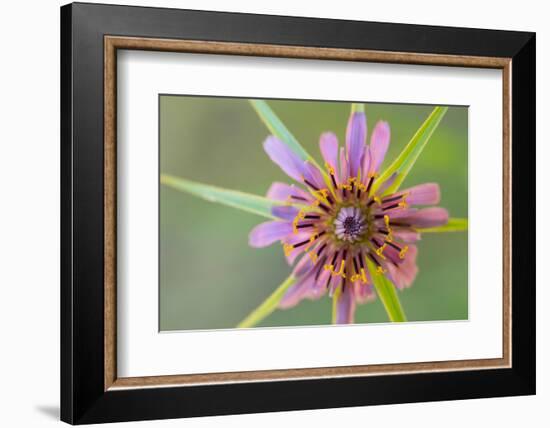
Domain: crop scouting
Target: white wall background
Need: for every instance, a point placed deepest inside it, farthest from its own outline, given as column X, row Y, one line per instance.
column 29, row 214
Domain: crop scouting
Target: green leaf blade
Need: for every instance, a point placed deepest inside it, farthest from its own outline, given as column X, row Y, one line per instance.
column 388, row 295
column 233, row 198
column 278, row 129
column 407, row 158
column 268, row 305
column 453, row 225
column 357, row 108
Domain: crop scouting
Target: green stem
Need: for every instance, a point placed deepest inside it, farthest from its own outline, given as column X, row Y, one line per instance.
column 233, row 198
column 357, row 108
column 453, row 225
column 267, row 306
column 335, row 298
column 388, row 295
column 407, row 158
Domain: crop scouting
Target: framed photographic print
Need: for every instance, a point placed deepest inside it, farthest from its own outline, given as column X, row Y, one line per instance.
column 265, row 213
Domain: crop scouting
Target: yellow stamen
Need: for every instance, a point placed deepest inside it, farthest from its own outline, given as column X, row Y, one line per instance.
column 287, row 248
column 387, row 221
column 380, row 270
column 360, row 276
column 341, row 271
column 300, row 216
column 321, row 194
column 364, row 276
column 311, row 241
column 344, row 186
column 352, row 181
column 331, row 181
column 380, row 251
column 329, row 268
column 403, row 252
column 313, row 256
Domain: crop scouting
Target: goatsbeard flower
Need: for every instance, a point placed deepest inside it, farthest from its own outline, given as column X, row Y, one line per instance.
column 343, row 221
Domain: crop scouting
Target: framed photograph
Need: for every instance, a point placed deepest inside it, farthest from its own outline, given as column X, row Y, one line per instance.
column 265, row 213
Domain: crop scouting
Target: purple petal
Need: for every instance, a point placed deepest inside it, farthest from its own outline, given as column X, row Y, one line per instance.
column 379, row 143
column 313, row 175
column 402, row 214
column 356, row 134
column 387, row 183
column 282, row 191
column 428, row 217
column 303, row 267
column 294, row 238
column 269, row 232
column 423, row 194
column 296, row 292
column 285, row 212
column 322, row 279
column 364, row 292
column 392, row 254
column 329, row 149
column 344, row 167
column 403, row 275
column 345, row 307
column 335, row 282
column 365, row 166
column 287, row 160
column 406, row 235
column 315, row 292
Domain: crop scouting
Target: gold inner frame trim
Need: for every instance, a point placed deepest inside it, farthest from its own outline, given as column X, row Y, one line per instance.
column 113, row 43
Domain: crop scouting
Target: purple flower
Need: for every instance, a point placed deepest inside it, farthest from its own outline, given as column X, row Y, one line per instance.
column 348, row 221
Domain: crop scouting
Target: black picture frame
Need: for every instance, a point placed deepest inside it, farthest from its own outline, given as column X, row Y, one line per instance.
column 83, row 396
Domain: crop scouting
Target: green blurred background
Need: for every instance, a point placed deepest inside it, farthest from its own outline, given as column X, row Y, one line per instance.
column 211, row 278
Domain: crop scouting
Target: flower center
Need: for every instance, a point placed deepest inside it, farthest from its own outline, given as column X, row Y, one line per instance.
column 350, row 223
column 351, row 226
